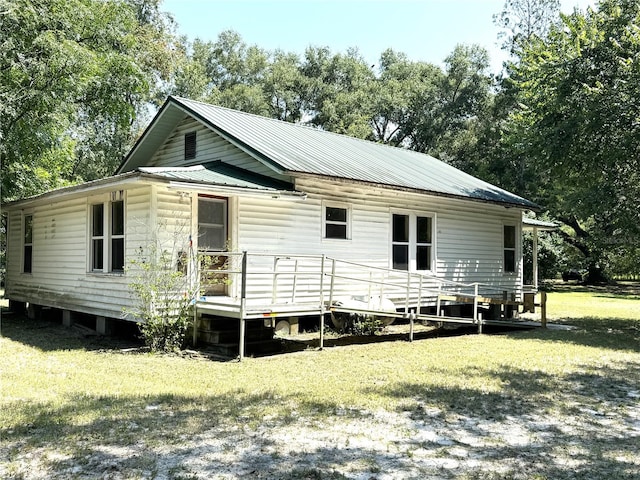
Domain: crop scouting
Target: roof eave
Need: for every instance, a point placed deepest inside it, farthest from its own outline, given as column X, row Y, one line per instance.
column 527, row 205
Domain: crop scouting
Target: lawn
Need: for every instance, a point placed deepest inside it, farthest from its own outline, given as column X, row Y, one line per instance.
column 539, row 404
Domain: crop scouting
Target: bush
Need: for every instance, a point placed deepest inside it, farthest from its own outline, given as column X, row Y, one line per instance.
column 356, row 324
column 163, row 295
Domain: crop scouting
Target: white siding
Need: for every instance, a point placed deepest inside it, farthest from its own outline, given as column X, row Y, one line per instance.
column 209, row 147
column 468, row 240
column 468, row 235
column 60, row 276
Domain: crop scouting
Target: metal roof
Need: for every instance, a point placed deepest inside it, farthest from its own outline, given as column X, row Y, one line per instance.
column 295, row 149
column 218, row 173
column 530, row 223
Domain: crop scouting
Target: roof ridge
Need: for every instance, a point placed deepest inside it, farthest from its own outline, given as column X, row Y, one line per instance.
column 302, row 125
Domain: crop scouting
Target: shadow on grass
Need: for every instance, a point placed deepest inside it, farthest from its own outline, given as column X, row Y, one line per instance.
column 48, row 334
column 613, row 334
column 579, row 425
column 537, row 426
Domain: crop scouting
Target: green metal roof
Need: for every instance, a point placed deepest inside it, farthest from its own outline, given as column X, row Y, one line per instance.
column 294, row 149
column 219, row 173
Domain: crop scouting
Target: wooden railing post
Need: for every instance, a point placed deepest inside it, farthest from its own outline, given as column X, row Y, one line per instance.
column 543, row 309
column 322, row 307
column 475, row 303
column 243, row 304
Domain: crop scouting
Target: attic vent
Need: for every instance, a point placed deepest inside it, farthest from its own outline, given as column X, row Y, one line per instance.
column 189, row 145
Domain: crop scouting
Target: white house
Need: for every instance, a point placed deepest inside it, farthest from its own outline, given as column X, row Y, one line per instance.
column 298, row 200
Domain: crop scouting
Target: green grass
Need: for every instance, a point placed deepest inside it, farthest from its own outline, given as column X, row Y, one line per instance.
column 63, row 394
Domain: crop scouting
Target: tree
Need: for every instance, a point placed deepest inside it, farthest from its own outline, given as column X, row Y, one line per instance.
column 338, row 91
column 74, row 77
column 521, row 20
column 578, row 93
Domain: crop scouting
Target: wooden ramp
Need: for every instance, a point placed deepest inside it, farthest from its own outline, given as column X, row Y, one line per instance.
column 262, row 287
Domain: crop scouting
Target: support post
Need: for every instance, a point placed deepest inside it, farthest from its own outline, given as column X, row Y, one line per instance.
column 480, row 323
column 503, row 307
column 543, row 309
column 243, row 304
column 412, row 317
column 194, row 338
column 322, row 302
column 535, row 258
column 475, row 303
column 332, row 282
column 67, row 320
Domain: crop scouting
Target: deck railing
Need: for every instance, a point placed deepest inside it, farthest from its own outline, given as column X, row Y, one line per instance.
column 267, row 279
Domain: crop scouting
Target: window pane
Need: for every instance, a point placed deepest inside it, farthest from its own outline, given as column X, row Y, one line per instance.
column 509, row 261
column 28, row 229
column 28, row 253
column 509, row 236
column 336, row 214
column 211, row 212
column 400, row 228
column 211, row 238
column 424, row 258
column 97, row 230
column 97, row 253
column 117, row 254
column 335, row 231
column 117, row 218
column 401, row 257
column 423, row 229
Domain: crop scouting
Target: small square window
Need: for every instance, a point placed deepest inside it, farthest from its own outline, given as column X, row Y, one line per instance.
column 336, row 222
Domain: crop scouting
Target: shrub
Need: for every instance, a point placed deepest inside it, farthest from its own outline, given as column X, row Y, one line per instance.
column 163, row 295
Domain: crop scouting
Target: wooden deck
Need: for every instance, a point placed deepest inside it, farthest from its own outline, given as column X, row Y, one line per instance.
column 316, row 286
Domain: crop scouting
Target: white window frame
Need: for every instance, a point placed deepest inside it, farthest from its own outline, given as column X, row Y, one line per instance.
column 23, row 234
column 225, row 218
column 513, row 249
column 107, row 236
column 343, row 206
column 413, row 243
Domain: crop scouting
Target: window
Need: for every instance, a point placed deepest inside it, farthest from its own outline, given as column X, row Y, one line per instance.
column 97, row 236
column 107, row 236
column 400, row 242
column 28, row 244
column 189, row 145
column 411, row 242
column 509, row 245
column 212, row 224
column 423, row 242
column 117, row 236
column 336, row 222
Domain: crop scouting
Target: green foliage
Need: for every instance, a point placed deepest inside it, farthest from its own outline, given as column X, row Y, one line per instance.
column 574, row 131
column 163, row 295
column 357, row 324
column 75, row 75
column 522, row 20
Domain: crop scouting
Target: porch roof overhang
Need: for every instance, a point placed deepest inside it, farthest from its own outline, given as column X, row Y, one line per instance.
column 196, row 178
column 539, row 225
column 223, row 178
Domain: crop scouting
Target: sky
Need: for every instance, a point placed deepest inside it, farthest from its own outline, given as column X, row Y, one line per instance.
column 425, row 30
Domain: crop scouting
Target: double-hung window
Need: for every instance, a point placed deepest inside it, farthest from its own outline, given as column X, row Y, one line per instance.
column 336, row 222
column 107, row 236
column 412, row 246
column 27, row 258
column 509, row 246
